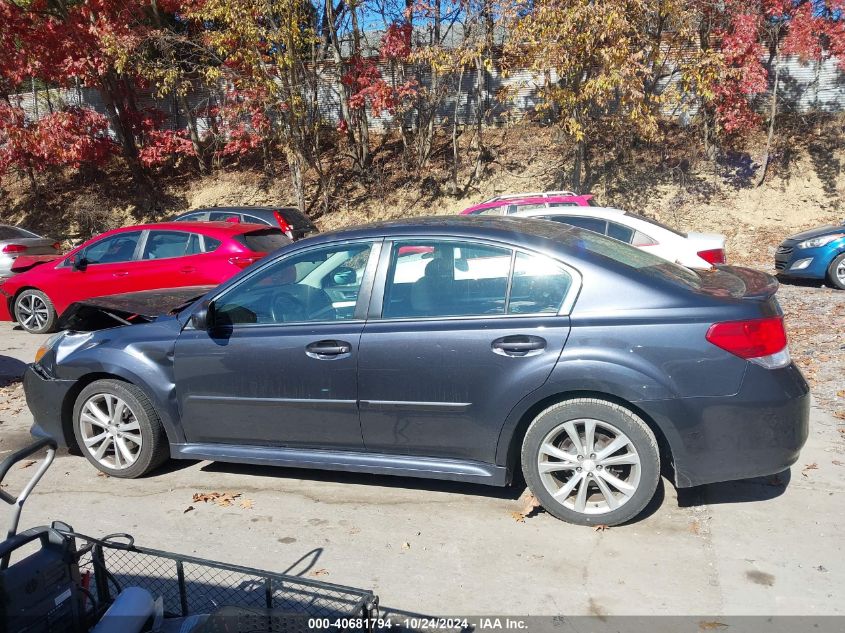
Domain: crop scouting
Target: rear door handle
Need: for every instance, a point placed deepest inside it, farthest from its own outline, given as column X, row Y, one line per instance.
column 324, row 350
column 519, row 345
column 187, row 269
column 120, row 273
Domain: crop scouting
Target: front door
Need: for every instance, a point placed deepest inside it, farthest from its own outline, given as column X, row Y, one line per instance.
column 463, row 332
column 278, row 364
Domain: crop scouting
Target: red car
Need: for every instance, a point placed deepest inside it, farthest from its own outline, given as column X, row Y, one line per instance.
column 131, row 259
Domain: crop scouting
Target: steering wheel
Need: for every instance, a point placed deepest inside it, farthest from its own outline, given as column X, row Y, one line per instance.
column 286, row 307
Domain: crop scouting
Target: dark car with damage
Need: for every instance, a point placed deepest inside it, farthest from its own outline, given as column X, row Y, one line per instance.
column 450, row 348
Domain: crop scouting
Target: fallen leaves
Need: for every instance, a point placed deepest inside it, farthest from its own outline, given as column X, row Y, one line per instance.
column 529, row 504
column 695, row 527
column 601, row 528
column 813, row 466
column 406, row 545
column 27, row 463
column 320, row 572
column 221, row 499
column 710, row 625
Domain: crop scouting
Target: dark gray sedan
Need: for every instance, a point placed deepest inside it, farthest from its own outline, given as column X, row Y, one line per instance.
column 462, row 348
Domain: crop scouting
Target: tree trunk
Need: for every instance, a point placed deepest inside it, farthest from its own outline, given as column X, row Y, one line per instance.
column 193, row 131
column 772, row 116
column 295, row 162
column 123, row 131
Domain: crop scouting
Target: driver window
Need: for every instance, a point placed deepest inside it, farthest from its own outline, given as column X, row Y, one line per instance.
column 113, row 249
column 319, row 285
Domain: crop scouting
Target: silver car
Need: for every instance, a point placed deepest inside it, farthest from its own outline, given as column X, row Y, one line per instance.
column 15, row 241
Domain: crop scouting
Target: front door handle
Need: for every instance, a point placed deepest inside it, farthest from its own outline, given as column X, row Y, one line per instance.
column 187, row 269
column 325, row 350
column 120, row 273
column 518, row 345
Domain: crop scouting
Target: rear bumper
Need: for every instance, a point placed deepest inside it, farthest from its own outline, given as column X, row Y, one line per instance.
column 45, row 398
column 5, row 313
column 758, row 431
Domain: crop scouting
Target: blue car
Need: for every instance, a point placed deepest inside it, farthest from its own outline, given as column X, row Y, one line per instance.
column 463, row 348
column 815, row 254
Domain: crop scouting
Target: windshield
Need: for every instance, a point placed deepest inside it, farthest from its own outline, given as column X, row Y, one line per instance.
column 655, row 222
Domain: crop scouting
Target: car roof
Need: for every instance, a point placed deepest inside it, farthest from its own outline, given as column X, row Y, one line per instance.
column 241, row 209
column 528, row 199
column 597, row 212
column 206, row 228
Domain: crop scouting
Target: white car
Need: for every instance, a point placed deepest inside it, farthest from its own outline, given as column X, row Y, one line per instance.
column 694, row 250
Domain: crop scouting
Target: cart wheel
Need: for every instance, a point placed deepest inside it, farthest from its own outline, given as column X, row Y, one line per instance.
column 118, row 430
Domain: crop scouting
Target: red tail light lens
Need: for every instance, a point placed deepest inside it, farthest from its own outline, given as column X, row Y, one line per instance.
column 750, row 339
column 287, row 229
column 713, row 256
column 14, row 248
column 242, row 261
column 57, row 246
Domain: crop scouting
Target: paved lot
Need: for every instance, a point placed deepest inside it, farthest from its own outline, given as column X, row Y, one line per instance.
column 770, row 546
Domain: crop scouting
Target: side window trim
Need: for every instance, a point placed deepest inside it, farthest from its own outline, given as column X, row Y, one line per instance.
column 364, row 292
column 381, row 275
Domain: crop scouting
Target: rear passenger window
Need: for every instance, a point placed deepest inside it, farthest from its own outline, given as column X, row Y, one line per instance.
column 641, row 239
column 539, row 285
column 493, row 211
column 445, row 278
column 166, row 244
column 211, row 244
column 529, row 207
column 251, row 219
column 620, row 232
column 223, row 216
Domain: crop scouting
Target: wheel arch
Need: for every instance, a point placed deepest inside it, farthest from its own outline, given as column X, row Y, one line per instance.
column 510, row 442
column 81, row 383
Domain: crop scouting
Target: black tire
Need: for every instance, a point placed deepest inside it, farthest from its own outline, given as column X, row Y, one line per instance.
column 833, row 278
column 154, row 449
column 608, row 416
column 35, row 320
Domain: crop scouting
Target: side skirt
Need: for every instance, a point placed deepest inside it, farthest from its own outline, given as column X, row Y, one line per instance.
column 348, row 461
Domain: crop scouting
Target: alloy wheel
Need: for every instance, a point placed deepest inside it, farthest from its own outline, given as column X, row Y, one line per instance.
column 840, row 271
column 33, row 312
column 110, row 431
column 589, row 466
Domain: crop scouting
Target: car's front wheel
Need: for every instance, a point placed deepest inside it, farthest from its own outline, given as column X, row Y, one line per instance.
column 118, row 430
column 836, row 272
column 591, row 462
column 35, row 312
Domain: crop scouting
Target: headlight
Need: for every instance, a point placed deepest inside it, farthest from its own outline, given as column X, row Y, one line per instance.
column 820, row 241
column 47, row 345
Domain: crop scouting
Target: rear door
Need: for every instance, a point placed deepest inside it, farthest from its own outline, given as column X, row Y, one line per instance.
column 458, row 333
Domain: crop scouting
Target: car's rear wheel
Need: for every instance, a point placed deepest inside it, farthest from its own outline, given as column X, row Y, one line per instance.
column 591, row 462
column 118, row 430
column 836, row 272
column 35, row 312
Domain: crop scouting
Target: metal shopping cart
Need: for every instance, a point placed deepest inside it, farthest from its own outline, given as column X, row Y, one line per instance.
column 72, row 583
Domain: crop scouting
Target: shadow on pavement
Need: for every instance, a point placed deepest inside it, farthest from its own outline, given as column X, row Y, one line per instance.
column 741, row 491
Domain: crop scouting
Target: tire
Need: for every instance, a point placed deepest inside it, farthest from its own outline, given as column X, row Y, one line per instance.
column 35, row 312
column 836, row 272
column 634, row 464
column 140, row 432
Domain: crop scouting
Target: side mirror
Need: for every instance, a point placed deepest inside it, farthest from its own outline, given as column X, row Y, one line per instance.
column 203, row 317
column 343, row 276
column 79, row 262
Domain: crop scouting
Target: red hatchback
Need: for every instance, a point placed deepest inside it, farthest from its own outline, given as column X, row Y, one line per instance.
column 130, row 259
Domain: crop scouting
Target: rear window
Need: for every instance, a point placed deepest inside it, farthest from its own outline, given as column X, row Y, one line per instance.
column 633, row 257
column 263, row 241
column 655, row 222
column 296, row 218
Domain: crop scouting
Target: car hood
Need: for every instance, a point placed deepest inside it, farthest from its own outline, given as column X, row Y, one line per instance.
column 818, row 232
column 99, row 313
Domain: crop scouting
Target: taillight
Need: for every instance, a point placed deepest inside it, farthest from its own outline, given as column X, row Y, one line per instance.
column 287, row 229
column 713, row 255
column 242, row 261
column 761, row 341
column 14, row 248
column 57, row 246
